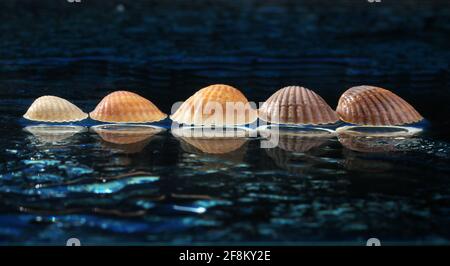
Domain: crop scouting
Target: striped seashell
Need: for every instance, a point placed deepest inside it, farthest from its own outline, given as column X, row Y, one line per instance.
column 54, row 109
column 126, row 107
column 214, row 106
column 368, row 105
column 297, row 105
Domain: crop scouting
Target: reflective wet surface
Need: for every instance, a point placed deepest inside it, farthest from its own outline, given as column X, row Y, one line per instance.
column 153, row 185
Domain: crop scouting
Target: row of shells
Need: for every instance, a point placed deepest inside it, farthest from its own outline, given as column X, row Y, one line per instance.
column 223, row 105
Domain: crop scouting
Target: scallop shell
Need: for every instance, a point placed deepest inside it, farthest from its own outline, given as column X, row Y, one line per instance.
column 53, row 134
column 126, row 107
column 129, row 139
column 297, row 105
column 211, row 142
column 54, row 109
column 213, row 106
column 368, row 105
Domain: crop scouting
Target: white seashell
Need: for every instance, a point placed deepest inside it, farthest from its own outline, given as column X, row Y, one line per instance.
column 54, row 109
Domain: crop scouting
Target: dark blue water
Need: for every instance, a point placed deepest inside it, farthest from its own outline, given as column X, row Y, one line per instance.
column 168, row 189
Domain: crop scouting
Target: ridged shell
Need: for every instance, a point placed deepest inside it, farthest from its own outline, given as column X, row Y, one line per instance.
column 209, row 141
column 53, row 134
column 126, row 107
column 368, row 105
column 54, row 109
column 297, row 105
column 200, row 108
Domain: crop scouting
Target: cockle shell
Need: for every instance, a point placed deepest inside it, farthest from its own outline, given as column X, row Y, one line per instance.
column 368, row 105
column 54, row 134
column 215, row 105
column 126, row 107
column 211, row 142
column 54, row 109
column 297, row 105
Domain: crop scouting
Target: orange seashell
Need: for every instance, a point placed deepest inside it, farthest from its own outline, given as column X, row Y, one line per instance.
column 297, row 105
column 211, row 142
column 216, row 105
column 368, row 105
column 126, row 107
column 54, row 109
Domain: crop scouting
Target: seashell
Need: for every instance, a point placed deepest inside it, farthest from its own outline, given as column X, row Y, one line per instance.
column 53, row 134
column 368, row 105
column 54, row 109
column 126, row 107
column 127, row 138
column 209, row 141
column 216, row 105
column 297, row 105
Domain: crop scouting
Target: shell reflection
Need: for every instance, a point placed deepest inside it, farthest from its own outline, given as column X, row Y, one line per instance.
column 126, row 138
column 362, row 151
column 295, row 149
column 211, row 140
column 54, row 134
column 375, row 139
